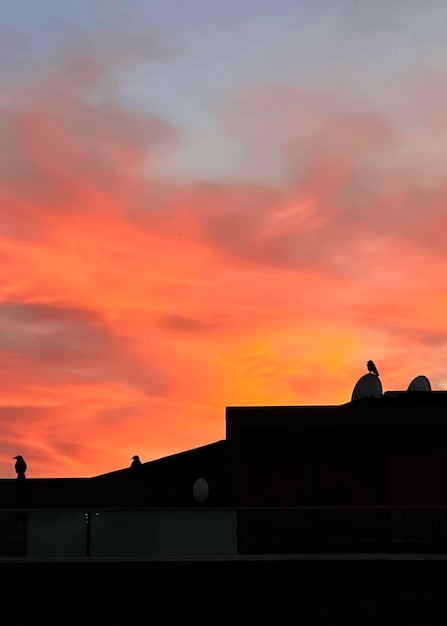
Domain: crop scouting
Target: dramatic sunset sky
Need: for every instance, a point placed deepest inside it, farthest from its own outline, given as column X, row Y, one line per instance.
column 206, row 204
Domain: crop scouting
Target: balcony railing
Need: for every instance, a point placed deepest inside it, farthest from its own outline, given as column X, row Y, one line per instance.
column 206, row 531
column 347, row 529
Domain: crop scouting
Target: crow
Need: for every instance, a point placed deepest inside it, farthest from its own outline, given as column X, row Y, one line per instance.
column 20, row 466
column 372, row 369
column 135, row 462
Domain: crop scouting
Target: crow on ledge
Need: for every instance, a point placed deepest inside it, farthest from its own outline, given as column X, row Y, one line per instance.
column 372, row 369
column 136, row 463
column 20, row 466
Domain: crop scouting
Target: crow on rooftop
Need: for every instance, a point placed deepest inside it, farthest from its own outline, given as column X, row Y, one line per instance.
column 372, row 369
column 20, row 466
column 136, row 463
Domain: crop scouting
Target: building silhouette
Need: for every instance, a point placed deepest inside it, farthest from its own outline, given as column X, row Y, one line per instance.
column 365, row 477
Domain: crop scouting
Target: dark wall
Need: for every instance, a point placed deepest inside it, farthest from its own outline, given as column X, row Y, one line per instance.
column 366, row 453
column 162, row 483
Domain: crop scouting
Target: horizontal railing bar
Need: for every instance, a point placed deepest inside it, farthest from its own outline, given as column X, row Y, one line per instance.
column 99, row 509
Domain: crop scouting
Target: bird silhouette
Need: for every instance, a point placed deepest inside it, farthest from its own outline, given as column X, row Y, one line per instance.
column 20, row 466
column 372, row 369
column 136, row 463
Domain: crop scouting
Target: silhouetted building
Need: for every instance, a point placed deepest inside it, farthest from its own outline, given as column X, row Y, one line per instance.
column 366, row 476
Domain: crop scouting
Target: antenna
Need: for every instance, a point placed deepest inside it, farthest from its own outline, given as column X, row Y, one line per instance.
column 367, row 386
column 420, row 383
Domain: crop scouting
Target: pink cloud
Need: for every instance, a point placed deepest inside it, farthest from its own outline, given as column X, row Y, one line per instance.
column 134, row 309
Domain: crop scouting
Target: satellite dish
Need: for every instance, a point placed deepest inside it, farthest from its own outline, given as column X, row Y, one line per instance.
column 420, row 383
column 200, row 490
column 368, row 386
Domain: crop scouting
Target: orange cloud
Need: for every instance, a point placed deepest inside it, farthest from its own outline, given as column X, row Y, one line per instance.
column 134, row 309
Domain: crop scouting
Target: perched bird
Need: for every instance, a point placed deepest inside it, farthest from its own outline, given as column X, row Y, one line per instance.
column 372, row 369
column 136, row 463
column 20, row 466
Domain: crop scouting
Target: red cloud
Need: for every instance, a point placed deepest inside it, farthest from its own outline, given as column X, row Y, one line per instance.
column 134, row 309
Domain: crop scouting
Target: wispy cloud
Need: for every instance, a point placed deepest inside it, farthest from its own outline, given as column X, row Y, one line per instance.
column 135, row 307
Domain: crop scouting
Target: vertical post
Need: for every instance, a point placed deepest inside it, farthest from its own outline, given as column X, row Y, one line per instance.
column 383, row 520
column 315, row 501
column 87, row 533
column 444, row 518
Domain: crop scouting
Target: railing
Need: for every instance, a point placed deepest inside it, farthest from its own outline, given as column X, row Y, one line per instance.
column 203, row 531
column 347, row 528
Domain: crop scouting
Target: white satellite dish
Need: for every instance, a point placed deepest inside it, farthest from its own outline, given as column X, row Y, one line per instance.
column 200, row 490
column 420, row 383
column 368, row 386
